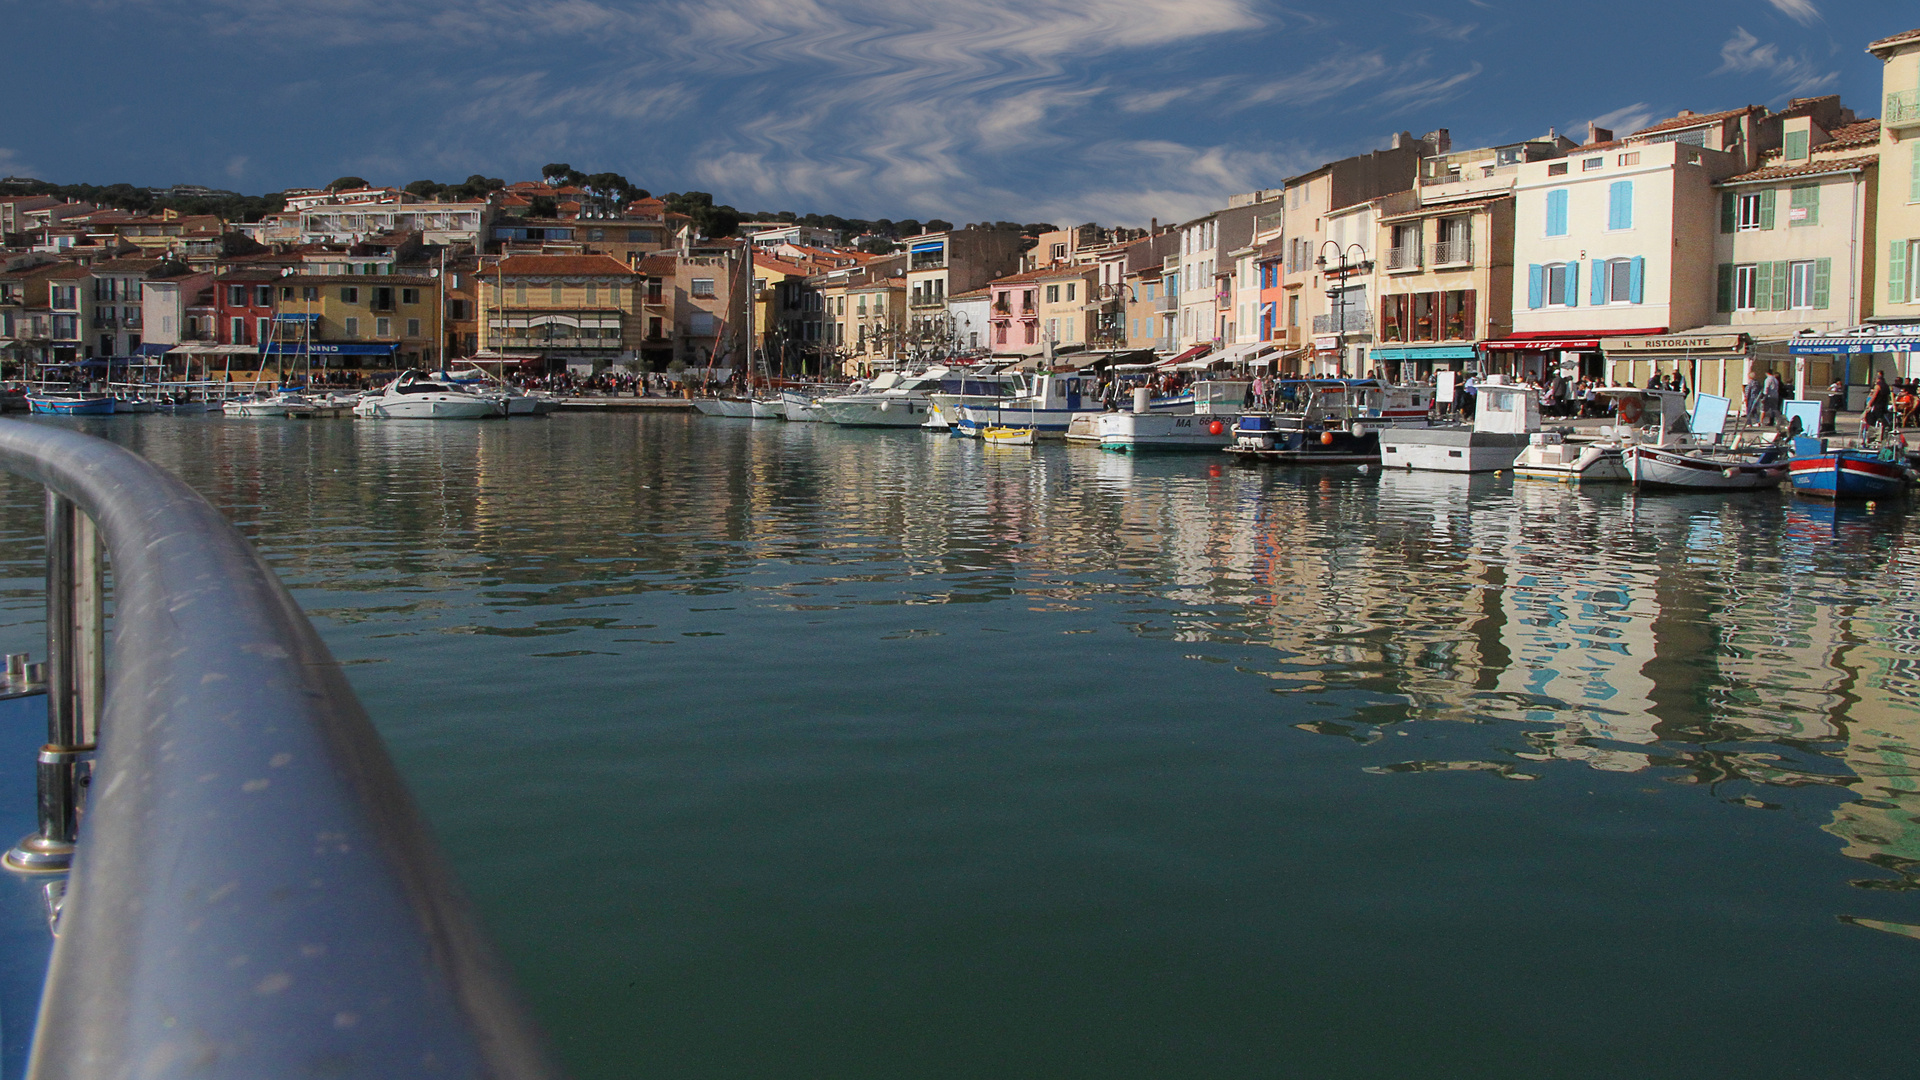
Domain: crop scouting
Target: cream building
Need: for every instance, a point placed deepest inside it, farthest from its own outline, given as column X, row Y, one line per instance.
column 1897, row 255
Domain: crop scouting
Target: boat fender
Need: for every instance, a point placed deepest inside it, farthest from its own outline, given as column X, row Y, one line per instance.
column 1326, row 438
column 1216, row 428
column 1631, row 409
column 1729, row 473
column 885, row 405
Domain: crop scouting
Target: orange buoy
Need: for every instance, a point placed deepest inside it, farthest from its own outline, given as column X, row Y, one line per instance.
column 1326, row 438
column 1216, row 428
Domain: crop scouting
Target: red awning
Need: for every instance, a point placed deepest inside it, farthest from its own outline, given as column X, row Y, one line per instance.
column 1539, row 344
column 1197, row 350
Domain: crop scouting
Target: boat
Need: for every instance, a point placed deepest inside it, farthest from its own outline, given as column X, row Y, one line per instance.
column 963, row 387
column 1049, row 405
column 69, row 404
column 1216, row 404
column 516, row 401
column 415, row 396
column 889, row 399
column 1705, row 468
column 1504, row 421
column 1826, row 471
column 738, row 408
column 1005, row 436
column 1655, row 416
column 1329, row 421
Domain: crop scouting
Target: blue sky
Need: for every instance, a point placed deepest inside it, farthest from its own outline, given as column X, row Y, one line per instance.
column 1058, row 110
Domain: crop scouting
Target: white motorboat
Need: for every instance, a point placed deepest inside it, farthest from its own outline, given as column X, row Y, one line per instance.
column 962, row 387
column 1504, row 421
column 284, row 403
column 516, row 401
column 414, row 396
column 1640, row 416
column 1217, row 405
column 891, row 399
column 735, row 407
column 1049, row 406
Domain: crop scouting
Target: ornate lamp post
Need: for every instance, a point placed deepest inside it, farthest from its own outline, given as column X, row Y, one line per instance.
column 1339, row 295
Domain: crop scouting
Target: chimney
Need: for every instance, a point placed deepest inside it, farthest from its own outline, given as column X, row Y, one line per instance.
column 1441, row 140
column 1598, row 134
column 1686, row 113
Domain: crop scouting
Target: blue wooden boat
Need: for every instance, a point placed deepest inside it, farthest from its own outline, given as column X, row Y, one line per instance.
column 71, row 404
column 1846, row 472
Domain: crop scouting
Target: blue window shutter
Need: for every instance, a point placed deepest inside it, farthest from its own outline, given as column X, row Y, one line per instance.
column 1636, row 281
column 1573, row 284
column 1620, row 205
column 1598, row 290
column 1534, row 274
column 1557, row 213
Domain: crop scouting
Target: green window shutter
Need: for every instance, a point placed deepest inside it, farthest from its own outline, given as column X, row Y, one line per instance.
column 1897, row 272
column 1782, row 286
column 1913, row 183
column 1805, row 197
column 1822, row 281
column 1766, row 209
column 1728, row 210
column 1796, row 146
column 1762, row 286
column 1726, row 289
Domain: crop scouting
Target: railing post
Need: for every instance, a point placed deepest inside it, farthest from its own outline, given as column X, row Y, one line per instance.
column 75, row 678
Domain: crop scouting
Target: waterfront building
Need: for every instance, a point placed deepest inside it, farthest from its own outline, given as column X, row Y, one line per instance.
column 344, row 217
column 26, row 318
column 712, row 316
column 866, row 319
column 1612, row 242
column 942, row 264
column 1067, row 319
column 1310, row 199
column 1147, row 312
column 164, row 305
column 1793, row 252
column 354, row 321
column 772, row 234
column 969, row 313
column 771, row 278
column 1897, row 254
column 1205, row 297
column 1013, row 314
column 461, row 299
column 655, row 275
column 580, row 312
column 95, row 311
column 244, row 302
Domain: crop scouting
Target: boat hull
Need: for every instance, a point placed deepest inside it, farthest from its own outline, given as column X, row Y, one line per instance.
column 734, row 408
column 1572, row 463
column 1449, row 449
column 1848, row 474
column 1662, row 467
column 1132, row 432
column 427, row 410
column 907, row 410
column 79, row 406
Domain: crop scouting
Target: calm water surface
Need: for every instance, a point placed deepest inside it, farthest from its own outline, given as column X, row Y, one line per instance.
column 786, row 751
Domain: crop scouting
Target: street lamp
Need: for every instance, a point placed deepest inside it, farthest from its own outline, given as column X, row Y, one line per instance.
column 1112, row 291
column 1339, row 296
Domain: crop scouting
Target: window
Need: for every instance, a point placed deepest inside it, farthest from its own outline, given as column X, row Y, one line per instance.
column 1557, row 212
column 382, row 327
column 703, row 286
column 1913, row 176
column 286, row 293
column 349, row 295
column 556, row 293
column 1756, row 211
column 1618, row 281
column 1592, row 163
column 1070, row 288
column 310, row 292
column 1059, row 252
column 1053, row 294
column 263, row 330
column 653, row 327
column 1558, row 168
column 409, row 296
column 1794, row 146
column 413, row 328
column 65, row 296
column 1803, row 206
column 701, row 324
column 237, row 331
column 1293, row 311
column 1620, row 205
column 1630, row 158
column 262, row 295
column 1553, row 285
column 653, row 290
column 353, row 326
column 1028, row 301
column 596, row 234
column 593, row 294
column 236, row 296
column 456, row 309
column 1746, row 281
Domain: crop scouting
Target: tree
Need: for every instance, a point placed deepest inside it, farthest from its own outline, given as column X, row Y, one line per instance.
column 939, row 225
column 555, row 172
column 426, row 189
column 909, row 227
column 543, row 206
column 347, row 183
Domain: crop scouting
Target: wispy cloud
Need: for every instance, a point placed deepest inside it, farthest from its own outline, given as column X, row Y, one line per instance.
column 1433, row 26
column 1744, row 54
column 1621, row 121
column 1800, row 11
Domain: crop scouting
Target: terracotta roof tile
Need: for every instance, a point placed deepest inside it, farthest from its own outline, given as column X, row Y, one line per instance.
column 561, row 265
column 660, row 266
column 1897, row 39
column 1805, row 168
column 1696, row 120
column 1863, row 133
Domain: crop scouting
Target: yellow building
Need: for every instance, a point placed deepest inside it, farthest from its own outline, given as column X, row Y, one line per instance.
column 358, row 321
column 1897, row 255
column 583, row 311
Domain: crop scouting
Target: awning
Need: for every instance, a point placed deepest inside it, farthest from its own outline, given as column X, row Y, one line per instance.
column 1197, row 350
column 1860, row 339
column 1540, row 344
column 1233, row 354
column 297, row 317
column 212, row 350
column 1274, row 358
column 1678, row 346
column 329, row 348
column 1423, row 352
column 155, row 348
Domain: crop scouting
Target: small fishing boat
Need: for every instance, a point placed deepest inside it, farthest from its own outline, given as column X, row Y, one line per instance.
column 1569, row 459
column 55, row 404
column 1002, row 436
column 1504, row 422
column 1844, row 472
column 1329, row 421
column 284, row 403
column 1217, row 404
column 1705, row 468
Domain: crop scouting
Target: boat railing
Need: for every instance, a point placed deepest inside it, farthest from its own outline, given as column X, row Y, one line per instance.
column 251, row 890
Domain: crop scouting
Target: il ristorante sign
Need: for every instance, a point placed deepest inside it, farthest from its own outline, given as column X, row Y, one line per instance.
column 1697, row 343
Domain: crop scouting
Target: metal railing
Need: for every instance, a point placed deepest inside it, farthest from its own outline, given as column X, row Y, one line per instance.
column 252, row 892
column 1352, row 322
column 1405, row 257
column 1452, row 251
column 1903, row 107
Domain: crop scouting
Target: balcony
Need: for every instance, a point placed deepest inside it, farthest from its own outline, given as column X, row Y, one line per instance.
column 1453, row 253
column 920, row 302
column 1903, row 109
column 1406, row 257
column 1353, row 322
column 1169, row 301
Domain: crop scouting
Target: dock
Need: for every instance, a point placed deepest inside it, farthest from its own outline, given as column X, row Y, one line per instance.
column 624, row 404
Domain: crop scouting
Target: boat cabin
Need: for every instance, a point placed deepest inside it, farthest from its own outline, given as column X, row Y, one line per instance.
column 1506, row 408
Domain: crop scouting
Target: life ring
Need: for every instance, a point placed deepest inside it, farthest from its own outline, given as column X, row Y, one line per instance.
column 1631, row 409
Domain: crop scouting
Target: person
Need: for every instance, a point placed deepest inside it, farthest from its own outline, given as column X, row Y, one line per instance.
column 1676, row 383
column 1906, row 402
column 1469, row 395
column 1879, row 404
column 1755, row 387
column 1655, row 382
column 1771, row 393
column 1831, row 408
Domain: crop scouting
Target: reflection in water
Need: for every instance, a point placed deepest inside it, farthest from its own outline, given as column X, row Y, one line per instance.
column 1748, row 647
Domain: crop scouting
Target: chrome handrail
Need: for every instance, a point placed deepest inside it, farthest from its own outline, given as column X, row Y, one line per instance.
column 253, row 893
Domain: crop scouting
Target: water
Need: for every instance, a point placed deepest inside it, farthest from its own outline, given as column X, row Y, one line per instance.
column 788, row 751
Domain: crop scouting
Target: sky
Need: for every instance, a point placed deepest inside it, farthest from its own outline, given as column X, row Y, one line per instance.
column 1116, row 111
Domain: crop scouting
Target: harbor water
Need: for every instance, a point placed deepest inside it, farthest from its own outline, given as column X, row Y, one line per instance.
column 785, row 750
